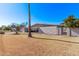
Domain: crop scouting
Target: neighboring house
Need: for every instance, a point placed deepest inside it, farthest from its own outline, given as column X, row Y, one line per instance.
column 74, row 32
column 45, row 28
column 22, row 29
column 54, row 29
column 66, row 31
column 49, row 30
column 62, row 29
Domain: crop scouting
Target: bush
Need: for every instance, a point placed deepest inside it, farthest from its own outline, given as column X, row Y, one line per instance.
column 1, row 32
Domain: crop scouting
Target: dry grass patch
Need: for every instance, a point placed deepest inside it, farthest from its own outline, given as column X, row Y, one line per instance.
column 22, row 45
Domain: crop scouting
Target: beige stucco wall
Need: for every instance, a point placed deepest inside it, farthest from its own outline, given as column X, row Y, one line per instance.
column 48, row 30
column 74, row 31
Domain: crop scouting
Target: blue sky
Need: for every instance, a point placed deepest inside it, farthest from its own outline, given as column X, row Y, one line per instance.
column 53, row 13
column 13, row 13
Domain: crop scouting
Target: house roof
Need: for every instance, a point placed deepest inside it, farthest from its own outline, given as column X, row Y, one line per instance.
column 43, row 25
column 61, row 25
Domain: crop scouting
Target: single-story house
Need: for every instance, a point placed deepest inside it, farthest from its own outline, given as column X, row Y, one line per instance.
column 45, row 28
column 66, row 31
column 74, row 31
column 54, row 29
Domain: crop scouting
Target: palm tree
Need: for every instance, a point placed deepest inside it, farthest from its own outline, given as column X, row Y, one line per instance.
column 29, row 21
column 70, row 23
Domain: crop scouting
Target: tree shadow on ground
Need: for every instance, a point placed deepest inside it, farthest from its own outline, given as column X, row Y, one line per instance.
column 56, row 40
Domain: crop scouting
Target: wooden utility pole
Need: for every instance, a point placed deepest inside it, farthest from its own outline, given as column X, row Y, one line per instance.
column 29, row 21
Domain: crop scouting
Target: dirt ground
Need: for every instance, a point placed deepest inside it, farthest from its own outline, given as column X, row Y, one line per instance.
column 38, row 45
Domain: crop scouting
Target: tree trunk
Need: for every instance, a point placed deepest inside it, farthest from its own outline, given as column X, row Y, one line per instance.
column 16, row 32
column 70, row 34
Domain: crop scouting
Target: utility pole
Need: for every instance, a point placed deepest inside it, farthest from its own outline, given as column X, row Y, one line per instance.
column 29, row 21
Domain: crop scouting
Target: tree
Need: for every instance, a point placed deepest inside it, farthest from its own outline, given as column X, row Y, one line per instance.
column 14, row 27
column 7, row 28
column 77, row 23
column 70, row 22
column 3, row 27
column 23, row 24
column 17, row 27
